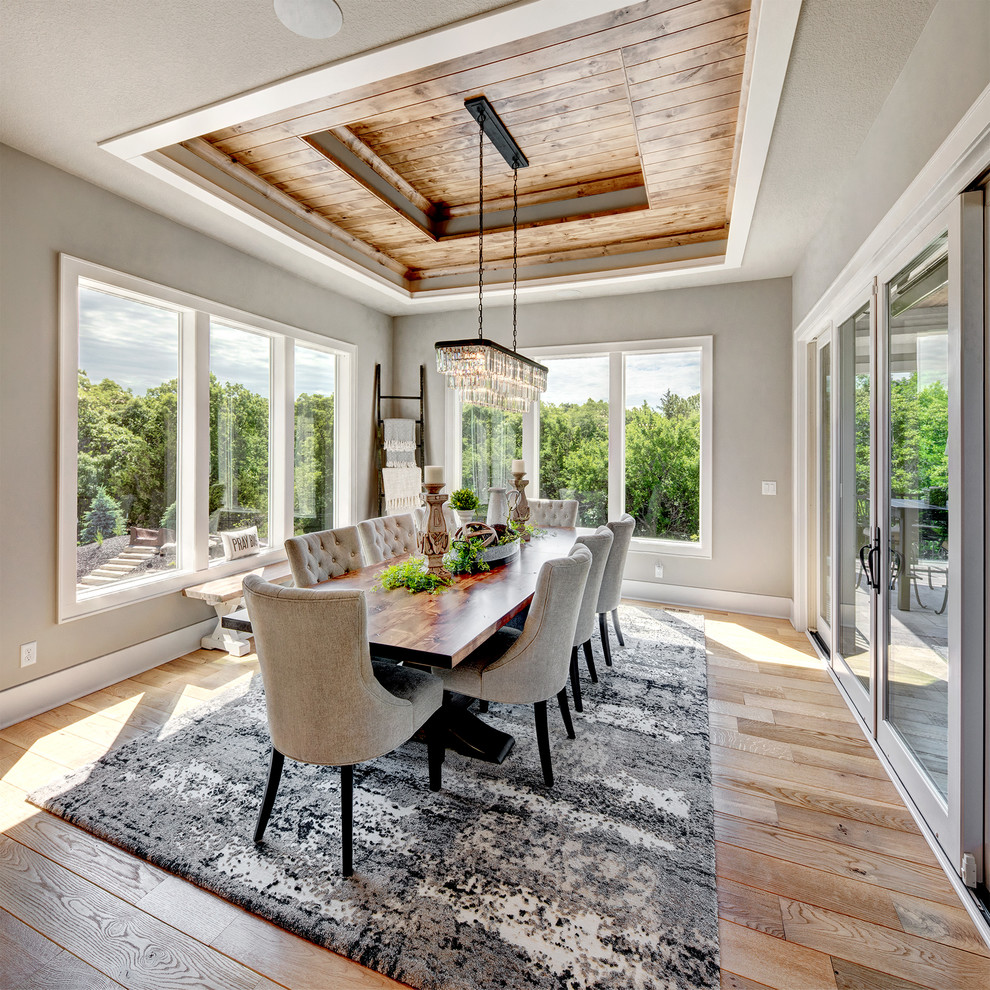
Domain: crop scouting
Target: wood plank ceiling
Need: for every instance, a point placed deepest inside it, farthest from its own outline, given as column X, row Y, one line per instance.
column 630, row 121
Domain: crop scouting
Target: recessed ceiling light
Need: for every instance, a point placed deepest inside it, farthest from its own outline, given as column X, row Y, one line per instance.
column 310, row 18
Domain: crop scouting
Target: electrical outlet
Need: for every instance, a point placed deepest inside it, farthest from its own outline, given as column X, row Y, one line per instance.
column 658, row 569
column 29, row 654
column 769, row 487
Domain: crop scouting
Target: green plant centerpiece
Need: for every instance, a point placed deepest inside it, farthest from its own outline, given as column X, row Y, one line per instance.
column 463, row 500
column 412, row 575
column 466, row 556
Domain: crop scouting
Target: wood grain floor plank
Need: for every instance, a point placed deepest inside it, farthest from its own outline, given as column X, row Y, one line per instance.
column 907, row 956
column 863, row 835
column 293, row 961
column 806, row 883
column 849, row 976
column 66, row 972
column 820, row 739
column 817, row 798
column 833, row 857
column 866, row 766
column 191, row 909
column 772, row 961
column 744, row 805
column 750, row 907
column 116, row 871
column 786, row 771
column 731, row 981
column 23, row 951
column 106, row 932
column 948, row 924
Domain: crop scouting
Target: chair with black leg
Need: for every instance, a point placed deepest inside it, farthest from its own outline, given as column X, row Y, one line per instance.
column 553, row 511
column 531, row 666
column 599, row 543
column 386, row 537
column 328, row 703
column 315, row 557
column 611, row 592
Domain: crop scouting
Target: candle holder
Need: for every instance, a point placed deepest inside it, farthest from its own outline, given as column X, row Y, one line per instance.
column 521, row 510
column 435, row 540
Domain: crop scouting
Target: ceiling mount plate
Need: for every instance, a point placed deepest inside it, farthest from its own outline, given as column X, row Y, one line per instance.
column 496, row 131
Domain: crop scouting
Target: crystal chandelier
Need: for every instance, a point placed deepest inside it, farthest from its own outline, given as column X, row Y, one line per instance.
column 484, row 372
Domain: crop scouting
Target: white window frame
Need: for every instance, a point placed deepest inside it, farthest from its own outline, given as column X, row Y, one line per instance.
column 616, row 352
column 195, row 314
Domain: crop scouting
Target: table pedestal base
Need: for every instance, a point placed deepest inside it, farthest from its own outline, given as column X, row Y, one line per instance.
column 470, row 736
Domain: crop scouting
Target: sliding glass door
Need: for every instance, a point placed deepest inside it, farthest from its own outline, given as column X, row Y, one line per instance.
column 931, row 479
column 907, row 604
column 823, row 460
column 855, row 520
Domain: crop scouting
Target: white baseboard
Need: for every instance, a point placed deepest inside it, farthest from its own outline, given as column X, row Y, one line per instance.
column 725, row 601
column 41, row 695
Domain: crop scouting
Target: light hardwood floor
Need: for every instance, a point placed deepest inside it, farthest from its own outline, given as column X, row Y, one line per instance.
column 823, row 879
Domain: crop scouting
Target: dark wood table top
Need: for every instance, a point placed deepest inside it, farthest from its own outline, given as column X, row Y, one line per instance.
column 441, row 630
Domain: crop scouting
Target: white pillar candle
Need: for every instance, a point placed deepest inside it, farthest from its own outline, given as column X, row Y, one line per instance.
column 433, row 474
column 518, row 467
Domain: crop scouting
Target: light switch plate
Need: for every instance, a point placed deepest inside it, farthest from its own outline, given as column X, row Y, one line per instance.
column 769, row 487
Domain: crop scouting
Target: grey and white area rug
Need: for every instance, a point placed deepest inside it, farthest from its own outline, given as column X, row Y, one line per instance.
column 606, row 880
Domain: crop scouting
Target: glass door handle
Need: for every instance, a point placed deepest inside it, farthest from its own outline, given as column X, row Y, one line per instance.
column 869, row 557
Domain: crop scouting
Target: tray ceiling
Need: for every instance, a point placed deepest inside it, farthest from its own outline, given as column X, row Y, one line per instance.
column 630, row 121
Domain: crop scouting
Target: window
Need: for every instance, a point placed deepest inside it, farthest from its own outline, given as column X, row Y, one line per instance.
column 663, row 444
column 126, row 437
column 574, row 435
column 240, row 413
column 626, row 427
column 490, row 440
column 181, row 420
column 313, row 419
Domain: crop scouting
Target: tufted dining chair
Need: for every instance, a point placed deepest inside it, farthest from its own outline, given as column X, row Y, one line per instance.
column 531, row 666
column 386, row 537
column 611, row 591
column 553, row 511
column 317, row 557
column 599, row 543
column 334, row 707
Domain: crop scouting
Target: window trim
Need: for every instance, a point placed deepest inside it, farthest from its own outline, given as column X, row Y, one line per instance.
column 195, row 313
column 616, row 352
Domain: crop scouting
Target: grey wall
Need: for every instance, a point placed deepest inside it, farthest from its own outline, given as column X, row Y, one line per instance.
column 44, row 211
column 945, row 73
column 750, row 323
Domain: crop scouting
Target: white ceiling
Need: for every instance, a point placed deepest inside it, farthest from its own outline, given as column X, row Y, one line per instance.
column 103, row 67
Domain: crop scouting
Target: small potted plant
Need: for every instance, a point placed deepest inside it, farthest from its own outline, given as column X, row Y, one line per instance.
column 464, row 502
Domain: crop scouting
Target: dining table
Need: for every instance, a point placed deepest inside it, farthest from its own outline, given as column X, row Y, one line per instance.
column 441, row 630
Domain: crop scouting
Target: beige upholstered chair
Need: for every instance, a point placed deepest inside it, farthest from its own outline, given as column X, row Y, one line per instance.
column 328, row 703
column 553, row 511
column 599, row 543
column 387, row 536
column 611, row 592
column 531, row 666
column 317, row 557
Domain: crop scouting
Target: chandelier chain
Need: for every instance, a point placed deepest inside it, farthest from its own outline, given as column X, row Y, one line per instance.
column 515, row 248
column 481, row 220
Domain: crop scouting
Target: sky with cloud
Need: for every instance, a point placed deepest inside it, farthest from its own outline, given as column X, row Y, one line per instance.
column 137, row 345
column 648, row 377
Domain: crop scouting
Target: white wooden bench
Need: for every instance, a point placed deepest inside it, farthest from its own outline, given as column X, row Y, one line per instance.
column 225, row 595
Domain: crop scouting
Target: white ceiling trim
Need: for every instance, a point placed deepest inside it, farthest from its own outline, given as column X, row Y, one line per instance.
column 453, row 41
column 773, row 36
column 773, row 24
